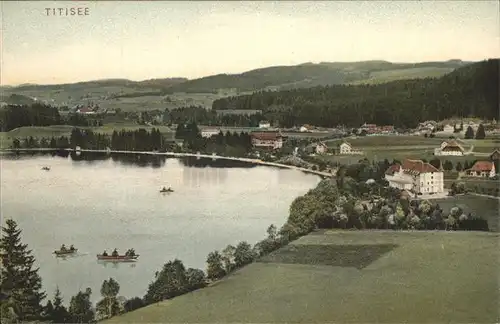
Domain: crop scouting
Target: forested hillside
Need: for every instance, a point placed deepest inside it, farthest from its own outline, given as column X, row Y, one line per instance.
column 468, row 91
column 36, row 114
column 310, row 75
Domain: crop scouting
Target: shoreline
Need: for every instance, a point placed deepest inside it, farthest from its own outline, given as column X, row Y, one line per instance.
column 173, row 154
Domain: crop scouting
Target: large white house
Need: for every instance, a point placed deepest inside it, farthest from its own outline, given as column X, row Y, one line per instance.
column 449, row 148
column 267, row 140
column 416, row 176
column 346, row 148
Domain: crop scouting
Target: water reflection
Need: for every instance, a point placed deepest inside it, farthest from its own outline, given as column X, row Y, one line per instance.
column 209, row 177
column 141, row 160
column 117, row 265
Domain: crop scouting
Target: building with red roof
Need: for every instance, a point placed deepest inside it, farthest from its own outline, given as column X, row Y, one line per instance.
column 86, row 111
column 416, row 176
column 485, row 169
column 267, row 140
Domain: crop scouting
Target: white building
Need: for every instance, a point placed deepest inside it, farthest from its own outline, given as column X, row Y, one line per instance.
column 267, row 140
column 451, row 148
column 321, row 148
column 209, row 132
column 415, row 176
column 448, row 129
column 346, row 148
column 264, row 124
column 305, row 128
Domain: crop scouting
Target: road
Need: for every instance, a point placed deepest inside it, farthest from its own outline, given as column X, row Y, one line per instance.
column 197, row 155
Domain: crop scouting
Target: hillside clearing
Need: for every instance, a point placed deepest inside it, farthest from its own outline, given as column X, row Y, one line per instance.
column 429, row 277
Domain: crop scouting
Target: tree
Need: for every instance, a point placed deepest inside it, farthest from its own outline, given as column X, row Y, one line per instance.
column 195, row 278
column 55, row 310
column 108, row 306
column 133, row 304
column 228, row 258
column 80, row 307
column 469, row 133
column 243, row 254
column 215, row 270
column 16, row 143
column 170, row 282
column 435, row 163
column 480, row 134
column 272, row 232
column 20, row 282
column 448, row 165
column 48, row 310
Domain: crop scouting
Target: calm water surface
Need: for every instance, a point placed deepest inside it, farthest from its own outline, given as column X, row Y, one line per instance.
column 105, row 204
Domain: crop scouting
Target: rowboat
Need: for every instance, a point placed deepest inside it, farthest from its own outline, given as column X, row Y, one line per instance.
column 119, row 258
column 65, row 252
column 167, row 190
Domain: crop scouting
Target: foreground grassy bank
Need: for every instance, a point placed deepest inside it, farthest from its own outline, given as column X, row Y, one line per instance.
column 289, row 268
column 424, row 277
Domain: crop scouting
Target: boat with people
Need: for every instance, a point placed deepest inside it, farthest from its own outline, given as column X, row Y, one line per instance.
column 64, row 251
column 129, row 256
column 166, row 190
column 46, row 168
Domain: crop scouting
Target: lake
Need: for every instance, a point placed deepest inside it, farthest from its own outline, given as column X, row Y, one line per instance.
column 106, row 203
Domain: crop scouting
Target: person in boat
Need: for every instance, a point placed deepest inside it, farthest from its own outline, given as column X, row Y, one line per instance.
column 115, row 253
column 164, row 189
column 104, row 253
column 130, row 253
column 71, row 248
column 63, row 248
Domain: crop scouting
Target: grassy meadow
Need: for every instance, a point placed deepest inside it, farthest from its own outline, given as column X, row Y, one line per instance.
column 351, row 277
column 402, row 74
column 411, row 147
column 104, row 97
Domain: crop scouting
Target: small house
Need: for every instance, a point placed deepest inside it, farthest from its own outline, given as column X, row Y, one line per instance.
column 264, row 124
column 346, row 148
column 495, row 156
column 209, row 132
column 484, row 169
column 321, row 148
column 449, row 148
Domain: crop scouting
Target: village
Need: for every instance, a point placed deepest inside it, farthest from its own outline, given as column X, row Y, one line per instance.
column 426, row 160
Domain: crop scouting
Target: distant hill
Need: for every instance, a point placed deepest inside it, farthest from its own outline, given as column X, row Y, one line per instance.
column 153, row 83
column 16, row 99
column 270, row 78
column 310, row 75
column 471, row 90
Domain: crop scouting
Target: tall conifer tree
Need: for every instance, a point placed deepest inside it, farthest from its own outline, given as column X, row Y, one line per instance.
column 20, row 283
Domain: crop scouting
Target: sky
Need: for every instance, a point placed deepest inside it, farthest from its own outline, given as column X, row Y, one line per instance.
column 159, row 39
